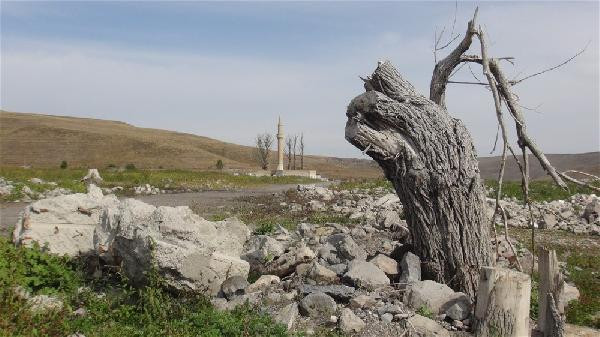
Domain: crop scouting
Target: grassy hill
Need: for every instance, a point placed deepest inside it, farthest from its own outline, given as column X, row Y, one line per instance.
column 45, row 141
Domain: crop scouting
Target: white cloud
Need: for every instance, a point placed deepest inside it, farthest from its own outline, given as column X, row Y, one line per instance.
column 233, row 98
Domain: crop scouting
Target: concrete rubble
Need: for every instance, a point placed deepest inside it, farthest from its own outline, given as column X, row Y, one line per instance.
column 359, row 277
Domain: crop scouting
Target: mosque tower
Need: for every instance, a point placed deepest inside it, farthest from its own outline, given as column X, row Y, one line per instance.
column 279, row 146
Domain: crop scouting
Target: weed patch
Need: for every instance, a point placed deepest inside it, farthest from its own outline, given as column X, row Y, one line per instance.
column 118, row 310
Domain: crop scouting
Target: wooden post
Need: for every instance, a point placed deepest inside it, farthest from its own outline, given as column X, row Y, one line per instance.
column 503, row 300
column 551, row 308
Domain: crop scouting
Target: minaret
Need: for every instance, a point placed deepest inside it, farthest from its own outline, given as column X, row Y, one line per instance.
column 279, row 146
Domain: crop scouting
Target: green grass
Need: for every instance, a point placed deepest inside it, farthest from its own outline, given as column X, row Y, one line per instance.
column 122, row 311
column 582, row 254
column 364, row 184
column 163, row 179
column 539, row 190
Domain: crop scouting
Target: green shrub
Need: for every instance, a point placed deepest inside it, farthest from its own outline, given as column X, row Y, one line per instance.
column 425, row 311
column 120, row 311
column 36, row 270
column 264, row 229
column 63, row 164
column 130, row 167
column 220, row 164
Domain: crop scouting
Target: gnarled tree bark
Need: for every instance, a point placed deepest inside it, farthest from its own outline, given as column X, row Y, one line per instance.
column 431, row 161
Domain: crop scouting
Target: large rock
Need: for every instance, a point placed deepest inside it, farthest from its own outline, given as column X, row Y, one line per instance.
column 318, row 305
column 190, row 252
column 439, row 298
column 287, row 315
column 262, row 249
column 366, row 275
column 347, row 248
column 65, row 224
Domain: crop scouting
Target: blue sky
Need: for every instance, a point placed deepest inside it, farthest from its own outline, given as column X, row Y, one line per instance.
column 227, row 70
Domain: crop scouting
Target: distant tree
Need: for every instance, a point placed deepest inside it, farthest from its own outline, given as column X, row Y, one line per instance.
column 63, row 164
column 288, row 144
column 264, row 142
column 130, row 167
column 302, row 151
column 220, row 164
column 295, row 147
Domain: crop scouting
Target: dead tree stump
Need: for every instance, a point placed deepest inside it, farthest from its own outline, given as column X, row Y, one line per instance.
column 431, row 161
column 551, row 308
column 503, row 300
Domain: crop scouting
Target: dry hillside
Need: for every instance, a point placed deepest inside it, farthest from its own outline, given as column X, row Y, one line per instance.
column 44, row 140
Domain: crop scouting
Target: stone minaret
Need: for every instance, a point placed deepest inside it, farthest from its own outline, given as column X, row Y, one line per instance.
column 279, row 146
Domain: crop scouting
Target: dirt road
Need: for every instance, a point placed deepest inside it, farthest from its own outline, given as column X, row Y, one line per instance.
column 207, row 202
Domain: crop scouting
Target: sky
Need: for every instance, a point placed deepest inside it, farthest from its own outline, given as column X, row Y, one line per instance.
column 228, row 70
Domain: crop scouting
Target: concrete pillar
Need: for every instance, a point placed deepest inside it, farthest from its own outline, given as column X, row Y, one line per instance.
column 280, row 146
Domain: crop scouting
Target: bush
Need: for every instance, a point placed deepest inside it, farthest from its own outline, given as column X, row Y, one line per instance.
column 111, row 166
column 120, row 311
column 63, row 164
column 130, row 167
column 220, row 164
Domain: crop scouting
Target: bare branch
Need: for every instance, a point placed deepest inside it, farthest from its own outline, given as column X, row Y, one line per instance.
column 443, row 68
column 554, row 67
column 467, row 82
column 524, row 140
column 579, row 182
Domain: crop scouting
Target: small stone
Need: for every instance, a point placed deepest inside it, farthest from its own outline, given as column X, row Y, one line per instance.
column 458, row 324
column 317, row 305
column 263, row 282
column 349, row 322
column 339, row 292
column 81, row 312
column 425, row 327
column 386, row 264
column 459, row 310
column 234, row 286
column 411, row 268
column 387, row 318
column 321, row 274
column 362, row 301
column 44, row 303
column 549, row 221
column 333, row 319
column 219, row 303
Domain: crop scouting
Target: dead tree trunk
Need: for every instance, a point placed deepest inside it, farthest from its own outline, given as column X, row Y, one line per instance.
column 431, row 161
column 502, row 303
column 551, row 310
